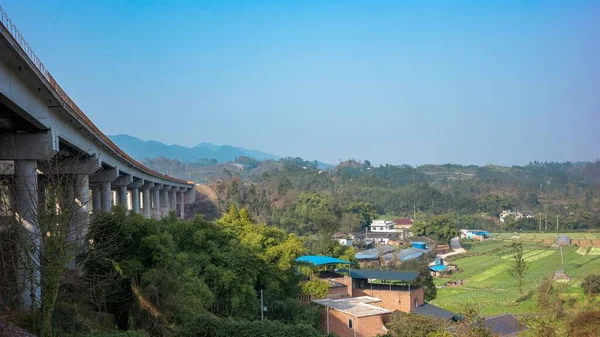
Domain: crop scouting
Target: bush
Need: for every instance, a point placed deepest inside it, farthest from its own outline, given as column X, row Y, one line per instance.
column 524, row 297
column 113, row 334
column 585, row 324
column 208, row 325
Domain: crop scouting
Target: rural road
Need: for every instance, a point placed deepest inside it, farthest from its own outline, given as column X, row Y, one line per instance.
column 456, row 247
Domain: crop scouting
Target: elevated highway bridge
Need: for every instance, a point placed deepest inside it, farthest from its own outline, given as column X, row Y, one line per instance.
column 39, row 122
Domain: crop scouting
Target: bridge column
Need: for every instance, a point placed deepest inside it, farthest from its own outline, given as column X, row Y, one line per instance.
column 121, row 183
column 165, row 203
column 82, row 212
column 105, row 178
column 26, row 149
column 105, row 196
column 79, row 196
column 146, row 198
column 26, row 205
column 96, row 204
column 135, row 195
column 173, row 199
column 156, row 214
column 122, row 200
column 182, row 203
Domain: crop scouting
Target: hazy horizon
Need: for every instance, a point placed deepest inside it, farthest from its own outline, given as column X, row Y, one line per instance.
column 400, row 83
column 352, row 158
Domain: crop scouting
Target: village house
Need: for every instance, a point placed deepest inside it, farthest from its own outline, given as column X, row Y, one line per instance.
column 372, row 296
column 474, row 234
column 516, row 215
column 385, row 232
column 382, row 226
column 404, row 223
column 343, row 238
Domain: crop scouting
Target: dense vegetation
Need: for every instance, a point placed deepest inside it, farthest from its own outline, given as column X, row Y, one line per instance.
column 295, row 195
column 186, row 278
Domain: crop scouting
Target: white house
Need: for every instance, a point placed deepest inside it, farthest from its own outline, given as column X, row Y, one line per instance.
column 517, row 215
column 382, row 226
column 344, row 239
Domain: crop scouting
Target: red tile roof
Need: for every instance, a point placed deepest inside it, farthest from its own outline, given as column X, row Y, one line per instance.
column 404, row 221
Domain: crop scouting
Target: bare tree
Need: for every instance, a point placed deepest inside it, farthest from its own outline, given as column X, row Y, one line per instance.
column 45, row 218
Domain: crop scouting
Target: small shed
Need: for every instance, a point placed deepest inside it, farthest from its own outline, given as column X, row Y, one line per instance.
column 561, row 276
column 419, row 244
column 563, row 240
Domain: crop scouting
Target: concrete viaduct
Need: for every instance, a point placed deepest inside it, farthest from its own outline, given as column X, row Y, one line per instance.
column 38, row 121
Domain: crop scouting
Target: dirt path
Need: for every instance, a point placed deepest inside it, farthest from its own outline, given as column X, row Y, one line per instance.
column 207, row 191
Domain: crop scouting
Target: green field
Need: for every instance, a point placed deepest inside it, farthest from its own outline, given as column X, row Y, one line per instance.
column 491, row 290
column 541, row 236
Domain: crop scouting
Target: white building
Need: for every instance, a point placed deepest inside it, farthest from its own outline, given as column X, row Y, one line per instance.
column 517, row 215
column 344, row 239
column 382, row 226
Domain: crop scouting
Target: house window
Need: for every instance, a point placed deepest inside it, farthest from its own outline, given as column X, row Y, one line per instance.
column 349, row 324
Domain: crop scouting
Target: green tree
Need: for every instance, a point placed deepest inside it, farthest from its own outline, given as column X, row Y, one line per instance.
column 519, row 265
column 349, row 222
column 440, row 228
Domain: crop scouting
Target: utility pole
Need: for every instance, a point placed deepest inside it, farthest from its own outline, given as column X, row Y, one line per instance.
column 262, row 307
column 545, row 221
column 540, row 221
column 414, row 212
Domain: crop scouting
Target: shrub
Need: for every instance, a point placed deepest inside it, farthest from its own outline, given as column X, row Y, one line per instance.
column 208, row 325
column 524, row 297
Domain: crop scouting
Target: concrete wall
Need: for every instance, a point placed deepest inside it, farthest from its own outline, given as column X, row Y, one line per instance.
column 338, row 292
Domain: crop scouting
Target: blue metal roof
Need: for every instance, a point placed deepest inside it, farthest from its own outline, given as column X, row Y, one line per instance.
column 411, row 256
column 319, row 260
column 361, row 256
column 438, row 267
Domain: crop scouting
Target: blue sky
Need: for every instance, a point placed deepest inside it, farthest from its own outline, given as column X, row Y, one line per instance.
column 414, row 82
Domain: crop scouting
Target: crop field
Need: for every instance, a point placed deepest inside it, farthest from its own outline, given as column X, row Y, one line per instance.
column 542, row 236
column 490, row 289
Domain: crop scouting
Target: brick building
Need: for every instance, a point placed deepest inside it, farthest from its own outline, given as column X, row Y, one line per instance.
column 372, row 296
column 354, row 317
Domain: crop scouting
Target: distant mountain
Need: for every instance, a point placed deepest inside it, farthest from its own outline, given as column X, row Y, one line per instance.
column 142, row 149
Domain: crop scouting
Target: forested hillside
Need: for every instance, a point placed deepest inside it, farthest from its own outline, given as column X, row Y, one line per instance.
column 287, row 192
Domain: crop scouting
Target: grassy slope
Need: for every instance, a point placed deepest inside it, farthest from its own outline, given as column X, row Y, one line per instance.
column 490, row 289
